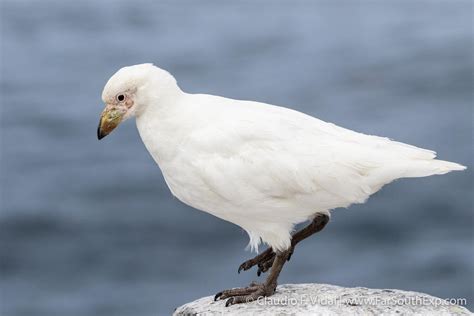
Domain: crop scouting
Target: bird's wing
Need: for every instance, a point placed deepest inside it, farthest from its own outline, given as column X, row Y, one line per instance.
column 259, row 154
column 272, row 155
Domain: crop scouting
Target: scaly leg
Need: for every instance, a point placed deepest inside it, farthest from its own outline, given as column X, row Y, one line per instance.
column 255, row 290
column 264, row 261
column 268, row 259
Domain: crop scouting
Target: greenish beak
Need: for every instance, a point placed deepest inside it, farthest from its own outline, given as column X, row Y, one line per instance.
column 109, row 120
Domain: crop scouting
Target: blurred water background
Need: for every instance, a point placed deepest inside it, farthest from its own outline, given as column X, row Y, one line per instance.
column 90, row 228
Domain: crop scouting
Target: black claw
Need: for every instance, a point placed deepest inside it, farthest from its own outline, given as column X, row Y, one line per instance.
column 289, row 256
column 259, row 271
column 240, row 269
column 229, row 302
column 216, row 297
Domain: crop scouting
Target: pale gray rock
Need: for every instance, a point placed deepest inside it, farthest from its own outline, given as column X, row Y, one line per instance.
column 323, row 299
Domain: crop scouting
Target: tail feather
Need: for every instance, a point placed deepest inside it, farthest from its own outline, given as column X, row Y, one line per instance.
column 424, row 168
column 413, row 168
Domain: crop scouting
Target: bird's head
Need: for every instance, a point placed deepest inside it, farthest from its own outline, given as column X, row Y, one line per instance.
column 129, row 92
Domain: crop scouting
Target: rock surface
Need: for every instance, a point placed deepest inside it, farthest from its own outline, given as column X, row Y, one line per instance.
column 323, row 299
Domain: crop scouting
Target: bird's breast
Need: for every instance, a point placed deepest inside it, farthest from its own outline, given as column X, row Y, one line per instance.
column 182, row 176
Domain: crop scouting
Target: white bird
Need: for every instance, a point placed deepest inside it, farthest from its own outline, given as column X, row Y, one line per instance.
column 263, row 167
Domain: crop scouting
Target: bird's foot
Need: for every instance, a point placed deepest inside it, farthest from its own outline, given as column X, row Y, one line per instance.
column 246, row 294
column 260, row 259
column 264, row 261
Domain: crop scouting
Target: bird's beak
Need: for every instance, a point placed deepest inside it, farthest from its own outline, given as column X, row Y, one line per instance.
column 109, row 120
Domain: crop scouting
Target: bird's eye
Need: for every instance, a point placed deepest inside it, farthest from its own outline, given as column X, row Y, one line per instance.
column 120, row 97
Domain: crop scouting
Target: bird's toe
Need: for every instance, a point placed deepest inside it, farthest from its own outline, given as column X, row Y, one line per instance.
column 243, row 295
column 256, row 292
column 265, row 266
column 259, row 260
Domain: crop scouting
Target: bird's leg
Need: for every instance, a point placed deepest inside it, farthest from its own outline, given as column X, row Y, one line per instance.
column 318, row 223
column 255, row 290
column 265, row 260
column 261, row 258
column 268, row 259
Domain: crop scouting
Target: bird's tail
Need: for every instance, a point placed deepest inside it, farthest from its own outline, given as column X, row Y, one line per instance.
column 411, row 168
column 424, row 168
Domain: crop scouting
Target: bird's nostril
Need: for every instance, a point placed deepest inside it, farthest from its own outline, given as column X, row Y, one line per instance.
column 113, row 115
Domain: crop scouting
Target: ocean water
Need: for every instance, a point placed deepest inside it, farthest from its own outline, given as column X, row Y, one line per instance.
column 89, row 228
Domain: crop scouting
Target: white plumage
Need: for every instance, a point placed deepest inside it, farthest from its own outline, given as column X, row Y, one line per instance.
column 260, row 166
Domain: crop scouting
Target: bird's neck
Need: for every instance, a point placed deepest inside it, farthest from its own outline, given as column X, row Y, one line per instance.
column 161, row 125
